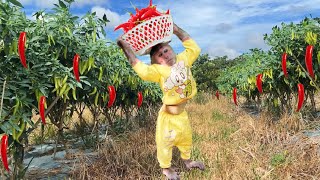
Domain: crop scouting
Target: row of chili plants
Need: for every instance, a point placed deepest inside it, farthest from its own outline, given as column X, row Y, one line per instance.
column 54, row 62
column 284, row 76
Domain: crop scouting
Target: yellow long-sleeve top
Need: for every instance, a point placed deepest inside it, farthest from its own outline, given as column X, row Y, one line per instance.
column 176, row 81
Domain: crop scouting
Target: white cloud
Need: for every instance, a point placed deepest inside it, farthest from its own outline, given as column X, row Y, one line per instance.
column 113, row 17
column 50, row 3
column 25, row 2
column 222, row 50
column 231, row 27
column 82, row 3
column 228, row 27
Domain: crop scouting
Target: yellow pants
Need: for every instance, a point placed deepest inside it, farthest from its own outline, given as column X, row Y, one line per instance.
column 172, row 130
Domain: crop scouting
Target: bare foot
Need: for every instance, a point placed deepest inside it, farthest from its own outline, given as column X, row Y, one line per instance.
column 193, row 164
column 170, row 173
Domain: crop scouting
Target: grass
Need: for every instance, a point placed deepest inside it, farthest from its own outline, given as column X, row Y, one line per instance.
column 231, row 143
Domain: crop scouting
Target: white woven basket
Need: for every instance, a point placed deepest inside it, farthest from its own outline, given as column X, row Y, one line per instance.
column 156, row 30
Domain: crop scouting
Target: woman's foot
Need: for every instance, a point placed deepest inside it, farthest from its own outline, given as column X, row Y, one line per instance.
column 193, row 164
column 170, row 173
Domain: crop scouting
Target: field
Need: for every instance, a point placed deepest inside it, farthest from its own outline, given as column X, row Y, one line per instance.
column 231, row 143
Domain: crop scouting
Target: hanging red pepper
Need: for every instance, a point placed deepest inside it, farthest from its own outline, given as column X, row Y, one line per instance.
column 308, row 60
column 42, row 102
column 284, row 64
column 150, row 3
column 259, row 82
column 235, row 96
column 21, row 48
column 112, row 95
column 300, row 96
column 140, row 98
column 4, row 156
column 76, row 67
column 217, row 94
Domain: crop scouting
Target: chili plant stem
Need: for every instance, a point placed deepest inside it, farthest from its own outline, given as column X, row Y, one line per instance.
column 2, row 96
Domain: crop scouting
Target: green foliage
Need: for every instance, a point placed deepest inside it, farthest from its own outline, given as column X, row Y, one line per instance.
column 278, row 159
column 201, row 98
column 206, row 71
column 217, row 116
column 52, row 41
column 278, row 91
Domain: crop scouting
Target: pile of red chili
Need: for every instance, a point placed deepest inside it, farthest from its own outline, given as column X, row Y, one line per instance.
column 140, row 16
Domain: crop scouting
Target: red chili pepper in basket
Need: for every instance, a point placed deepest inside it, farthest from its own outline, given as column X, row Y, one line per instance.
column 112, row 95
column 259, row 82
column 300, row 96
column 76, row 67
column 126, row 26
column 42, row 102
column 284, row 64
column 140, row 98
column 217, row 94
column 142, row 12
column 235, row 96
column 150, row 13
column 21, row 48
column 4, row 146
column 308, row 60
column 133, row 18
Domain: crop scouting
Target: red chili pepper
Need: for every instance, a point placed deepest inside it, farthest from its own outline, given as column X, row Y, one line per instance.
column 300, row 96
column 284, row 64
column 150, row 3
column 141, row 12
column 308, row 60
column 112, row 95
column 140, row 98
column 217, row 94
column 235, row 96
column 76, row 67
column 259, row 82
column 126, row 26
column 134, row 18
column 42, row 102
column 137, row 10
column 150, row 13
column 21, row 48
column 168, row 11
column 4, row 146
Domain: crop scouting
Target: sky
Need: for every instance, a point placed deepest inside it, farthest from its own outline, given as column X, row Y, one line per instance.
column 221, row 28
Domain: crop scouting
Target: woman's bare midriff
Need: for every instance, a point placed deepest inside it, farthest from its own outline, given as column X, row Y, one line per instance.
column 174, row 109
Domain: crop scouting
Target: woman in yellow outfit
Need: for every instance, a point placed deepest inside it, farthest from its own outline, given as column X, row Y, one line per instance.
column 173, row 74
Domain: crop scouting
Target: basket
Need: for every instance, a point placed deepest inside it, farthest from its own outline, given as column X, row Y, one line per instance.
column 156, row 30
